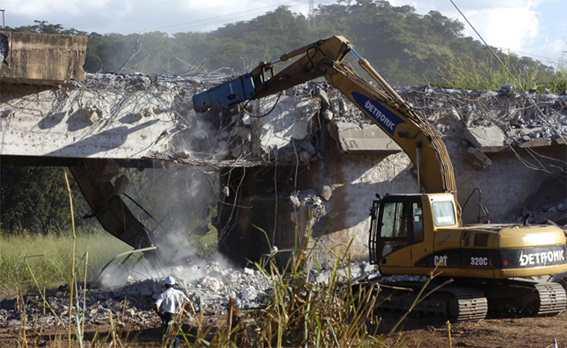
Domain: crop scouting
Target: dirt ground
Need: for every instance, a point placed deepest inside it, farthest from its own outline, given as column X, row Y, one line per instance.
column 505, row 332
column 414, row 332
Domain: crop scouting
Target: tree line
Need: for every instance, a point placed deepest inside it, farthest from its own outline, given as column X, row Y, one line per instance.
column 405, row 47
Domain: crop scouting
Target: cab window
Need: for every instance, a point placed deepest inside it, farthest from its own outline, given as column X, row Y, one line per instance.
column 392, row 221
column 417, row 218
column 443, row 213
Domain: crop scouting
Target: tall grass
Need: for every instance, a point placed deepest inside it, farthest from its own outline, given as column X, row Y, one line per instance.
column 491, row 75
column 49, row 258
column 299, row 312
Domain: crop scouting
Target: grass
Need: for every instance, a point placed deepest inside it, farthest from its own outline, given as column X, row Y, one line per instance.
column 299, row 312
column 491, row 75
column 49, row 258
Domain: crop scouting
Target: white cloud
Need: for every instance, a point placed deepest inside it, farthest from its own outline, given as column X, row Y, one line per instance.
column 510, row 24
column 134, row 16
column 38, row 8
column 522, row 26
column 513, row 28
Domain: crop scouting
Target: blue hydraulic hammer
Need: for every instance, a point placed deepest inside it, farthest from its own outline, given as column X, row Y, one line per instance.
column 231, row 92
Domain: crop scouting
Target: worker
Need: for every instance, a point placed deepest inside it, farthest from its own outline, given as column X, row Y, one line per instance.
column 168, row 304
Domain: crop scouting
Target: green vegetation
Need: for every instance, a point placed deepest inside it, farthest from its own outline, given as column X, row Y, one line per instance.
column 34, row 200
column 405, row 47
column 48, row 258
column 491, row 75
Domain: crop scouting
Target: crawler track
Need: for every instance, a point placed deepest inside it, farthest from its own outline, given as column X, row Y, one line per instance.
column 467, row 304
column 552, row 299
column 473, row 301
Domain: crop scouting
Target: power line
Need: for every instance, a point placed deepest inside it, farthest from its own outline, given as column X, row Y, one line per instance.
column 542, row 116
column 231, row 15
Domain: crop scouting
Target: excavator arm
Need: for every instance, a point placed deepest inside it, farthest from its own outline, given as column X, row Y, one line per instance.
column 325, row 58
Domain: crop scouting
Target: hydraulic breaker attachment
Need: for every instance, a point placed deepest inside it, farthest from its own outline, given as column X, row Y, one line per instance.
column 228, row 93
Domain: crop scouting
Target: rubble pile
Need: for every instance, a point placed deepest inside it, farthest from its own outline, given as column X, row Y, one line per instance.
column 550, row 212
column 280, row 128
column 309, row 200
column 209, row 287
column 522, row 116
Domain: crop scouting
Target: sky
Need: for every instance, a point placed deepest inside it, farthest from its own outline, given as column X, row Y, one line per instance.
column 531, row 28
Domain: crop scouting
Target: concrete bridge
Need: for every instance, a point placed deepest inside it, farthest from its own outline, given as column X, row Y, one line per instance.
column 309, row 159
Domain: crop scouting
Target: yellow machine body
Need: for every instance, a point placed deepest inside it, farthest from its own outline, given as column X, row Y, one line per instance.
column 417, row 234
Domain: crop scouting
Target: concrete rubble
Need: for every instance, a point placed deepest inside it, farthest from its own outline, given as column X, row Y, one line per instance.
column 209, row 286
column 490, row 121
column 550, row 213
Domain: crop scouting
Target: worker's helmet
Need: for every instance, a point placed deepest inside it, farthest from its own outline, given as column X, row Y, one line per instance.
column 170, row 280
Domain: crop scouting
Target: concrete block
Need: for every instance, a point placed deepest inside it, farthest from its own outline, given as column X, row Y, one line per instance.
column 368, row 139
column 486, row 139
column 539, row 142
column 477, row 159
column 530, row 131
column 42, row 58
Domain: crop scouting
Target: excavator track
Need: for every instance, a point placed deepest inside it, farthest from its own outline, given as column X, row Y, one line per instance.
column 457, row 303
column 467, row 304
column 552, row 299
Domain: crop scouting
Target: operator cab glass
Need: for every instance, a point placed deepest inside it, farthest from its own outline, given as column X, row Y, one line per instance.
column 443, row 214
column 397, row 224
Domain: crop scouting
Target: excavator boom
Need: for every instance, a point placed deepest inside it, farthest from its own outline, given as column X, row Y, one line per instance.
column 325, row 58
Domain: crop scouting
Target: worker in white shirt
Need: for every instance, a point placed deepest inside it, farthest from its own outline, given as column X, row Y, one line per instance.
column 168, row 304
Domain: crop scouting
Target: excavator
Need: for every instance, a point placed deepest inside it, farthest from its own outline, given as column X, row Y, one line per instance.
column 421, row 234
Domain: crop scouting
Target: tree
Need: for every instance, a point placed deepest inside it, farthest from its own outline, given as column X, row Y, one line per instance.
column 43, row 27
column 35, row 199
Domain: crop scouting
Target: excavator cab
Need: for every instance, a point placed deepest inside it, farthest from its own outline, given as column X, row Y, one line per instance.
column 406, row 231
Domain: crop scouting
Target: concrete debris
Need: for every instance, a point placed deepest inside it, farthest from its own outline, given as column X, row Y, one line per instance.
column 507, row 117
column 486, row 139
column 311, row 201
column 363, row 139
column 554, row 213
column 209, row 289
column 135, row 116
column 326, row 192
column 477, row 159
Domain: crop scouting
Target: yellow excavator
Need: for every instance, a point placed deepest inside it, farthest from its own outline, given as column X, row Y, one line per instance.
column 416, row 234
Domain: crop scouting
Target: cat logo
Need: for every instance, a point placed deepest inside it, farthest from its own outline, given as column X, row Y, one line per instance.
column 440, row 260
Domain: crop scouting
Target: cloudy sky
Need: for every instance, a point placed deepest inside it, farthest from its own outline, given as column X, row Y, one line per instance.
column 526, row 27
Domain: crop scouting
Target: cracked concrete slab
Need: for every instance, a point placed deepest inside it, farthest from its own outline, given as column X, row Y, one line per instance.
column 486, row 139
column 364, row 139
